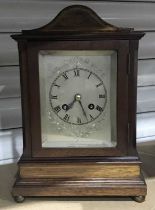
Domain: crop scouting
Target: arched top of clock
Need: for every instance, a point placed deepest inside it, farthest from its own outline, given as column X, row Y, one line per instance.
column 77, row 18
column 78, row 22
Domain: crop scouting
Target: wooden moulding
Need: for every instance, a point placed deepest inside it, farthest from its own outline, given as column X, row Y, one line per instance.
column 79, row 179
column 110, row 189
column 79, row 186
column 79, row 170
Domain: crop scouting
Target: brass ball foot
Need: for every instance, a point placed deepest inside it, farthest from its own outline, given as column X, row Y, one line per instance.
column 139, row 198
column 19, row 199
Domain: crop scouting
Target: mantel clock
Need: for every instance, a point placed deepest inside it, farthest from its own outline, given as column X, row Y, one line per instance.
column 78, row 85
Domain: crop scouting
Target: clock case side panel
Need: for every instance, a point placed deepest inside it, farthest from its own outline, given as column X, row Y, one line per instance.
column 25, row 99
column 132, row 95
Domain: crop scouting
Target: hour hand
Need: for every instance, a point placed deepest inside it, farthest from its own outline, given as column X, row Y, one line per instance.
column 70, row 105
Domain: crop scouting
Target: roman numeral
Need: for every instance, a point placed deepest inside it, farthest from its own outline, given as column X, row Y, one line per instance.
column 76, row 72
column 99, row 108
column 57, row 109
column 91, row 117
column 66, row 118
column 101, row 83
column 89, row 75
column 101, row 96
column 56, row 85
column 54, row 97
column 78, row 120
column 65, row 75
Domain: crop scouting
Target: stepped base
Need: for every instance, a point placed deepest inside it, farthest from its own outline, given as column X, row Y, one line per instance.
column 104, row 179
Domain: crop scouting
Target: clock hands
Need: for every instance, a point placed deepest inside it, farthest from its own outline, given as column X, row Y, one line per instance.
column 77, row 97
column 84, row 113
column 70, row 105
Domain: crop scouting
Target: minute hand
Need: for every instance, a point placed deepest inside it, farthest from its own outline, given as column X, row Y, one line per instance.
column 84, row 113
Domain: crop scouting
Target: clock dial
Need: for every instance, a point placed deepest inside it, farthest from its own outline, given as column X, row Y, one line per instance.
column 78, row 96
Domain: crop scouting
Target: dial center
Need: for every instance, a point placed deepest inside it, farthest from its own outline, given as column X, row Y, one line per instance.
column 78, row 97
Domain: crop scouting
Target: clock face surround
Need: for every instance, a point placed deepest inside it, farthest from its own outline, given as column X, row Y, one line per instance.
column 78, row 96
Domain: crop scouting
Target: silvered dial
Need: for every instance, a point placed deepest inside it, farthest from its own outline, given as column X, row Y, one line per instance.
column 78, row 96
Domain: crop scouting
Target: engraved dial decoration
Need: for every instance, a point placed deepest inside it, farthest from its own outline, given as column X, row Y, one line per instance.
column 78, row 96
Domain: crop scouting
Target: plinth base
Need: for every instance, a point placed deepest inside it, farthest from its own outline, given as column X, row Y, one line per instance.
column 85, row 179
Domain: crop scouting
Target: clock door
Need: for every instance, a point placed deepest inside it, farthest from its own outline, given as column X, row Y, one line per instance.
column 82, row 99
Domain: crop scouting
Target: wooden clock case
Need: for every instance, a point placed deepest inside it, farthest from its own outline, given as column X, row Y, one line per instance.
column 79, row 172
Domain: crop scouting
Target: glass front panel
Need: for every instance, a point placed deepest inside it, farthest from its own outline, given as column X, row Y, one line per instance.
column 78, row 98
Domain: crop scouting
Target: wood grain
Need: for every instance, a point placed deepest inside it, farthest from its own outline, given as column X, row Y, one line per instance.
column 79, row 170
column 81, row 187
column 146, row 72
column 16, row 16
column 9, row 54
column 8, row 50
column 9, row 82
column 146, row 99
column 10, row 113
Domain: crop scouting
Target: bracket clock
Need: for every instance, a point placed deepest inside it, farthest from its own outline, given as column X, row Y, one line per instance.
column 78, row 84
